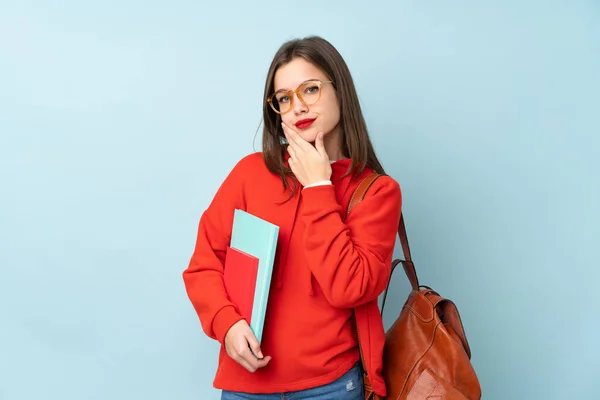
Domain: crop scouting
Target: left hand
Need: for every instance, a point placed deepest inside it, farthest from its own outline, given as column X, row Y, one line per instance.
column 309, row 163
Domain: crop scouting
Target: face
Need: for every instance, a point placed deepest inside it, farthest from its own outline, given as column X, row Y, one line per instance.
column 324, row 113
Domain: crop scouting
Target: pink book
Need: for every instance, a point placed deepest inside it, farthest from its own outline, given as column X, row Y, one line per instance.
column 240, row 280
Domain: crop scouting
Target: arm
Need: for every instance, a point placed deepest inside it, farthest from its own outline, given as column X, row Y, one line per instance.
column 351, row 259
column 203, row 278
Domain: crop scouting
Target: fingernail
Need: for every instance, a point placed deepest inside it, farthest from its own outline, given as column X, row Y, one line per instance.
column 260, row 354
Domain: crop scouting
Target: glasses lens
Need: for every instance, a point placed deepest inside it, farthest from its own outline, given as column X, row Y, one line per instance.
column 310, row 92
column 281, row 102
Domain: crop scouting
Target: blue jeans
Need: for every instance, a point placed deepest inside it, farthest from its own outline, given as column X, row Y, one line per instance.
column 348, row 387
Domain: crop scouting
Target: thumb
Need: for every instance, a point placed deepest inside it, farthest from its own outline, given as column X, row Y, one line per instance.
column 254, row 346
column 320, row 145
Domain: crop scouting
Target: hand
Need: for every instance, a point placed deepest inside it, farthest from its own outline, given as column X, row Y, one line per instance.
column 237, row 339
column 309, row 163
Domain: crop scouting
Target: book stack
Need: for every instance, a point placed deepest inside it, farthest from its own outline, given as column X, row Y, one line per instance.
column 249, row 267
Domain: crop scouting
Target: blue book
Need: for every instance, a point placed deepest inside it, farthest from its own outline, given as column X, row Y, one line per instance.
column 257, row 237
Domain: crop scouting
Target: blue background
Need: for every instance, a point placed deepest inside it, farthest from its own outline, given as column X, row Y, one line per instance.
column 118, row 121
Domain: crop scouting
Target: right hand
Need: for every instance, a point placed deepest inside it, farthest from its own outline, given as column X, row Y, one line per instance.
column 237, row 340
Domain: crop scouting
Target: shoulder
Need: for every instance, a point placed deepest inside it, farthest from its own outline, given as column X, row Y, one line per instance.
column 250, row 165
column 387, row 183
column 242, row 177
column 252, row 160
column 381, row 205
column 384, row 184
column 250, row 172
column 384, row 193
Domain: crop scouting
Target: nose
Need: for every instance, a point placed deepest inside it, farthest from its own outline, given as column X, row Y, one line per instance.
column 298, row 106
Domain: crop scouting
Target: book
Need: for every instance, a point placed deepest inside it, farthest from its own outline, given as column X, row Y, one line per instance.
column 256, row 237
column 240, row 274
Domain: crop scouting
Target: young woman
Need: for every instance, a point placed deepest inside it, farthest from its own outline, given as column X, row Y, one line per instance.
column 316, row 150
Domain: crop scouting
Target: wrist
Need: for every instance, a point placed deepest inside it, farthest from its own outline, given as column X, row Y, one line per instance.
column 223, row 321
column 318, row 183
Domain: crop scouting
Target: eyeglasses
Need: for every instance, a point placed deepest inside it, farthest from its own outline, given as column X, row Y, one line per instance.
column 308, row 93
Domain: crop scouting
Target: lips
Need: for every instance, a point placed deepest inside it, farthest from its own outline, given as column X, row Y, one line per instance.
column 304, row 123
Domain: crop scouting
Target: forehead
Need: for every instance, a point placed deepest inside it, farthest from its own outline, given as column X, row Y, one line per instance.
column 292, row 74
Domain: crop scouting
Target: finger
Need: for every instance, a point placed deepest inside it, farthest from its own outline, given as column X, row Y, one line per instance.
column 294, row 158
column 294, row 138
column 245, row 358
column 237, row 355
column 263, row 362
column 244, row 363
column 251, row 359
column 254, row 346
column 290, row 150
column 290, row 137
column 259, row 363
column 288, row 133
column 320, row 146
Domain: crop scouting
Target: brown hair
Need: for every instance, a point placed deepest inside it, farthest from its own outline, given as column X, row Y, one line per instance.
column 356, row 143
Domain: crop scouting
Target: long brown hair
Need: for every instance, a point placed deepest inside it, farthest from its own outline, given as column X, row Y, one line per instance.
column 356, row 143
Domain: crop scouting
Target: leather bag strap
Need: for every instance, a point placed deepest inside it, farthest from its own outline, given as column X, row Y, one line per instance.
column 407, row 263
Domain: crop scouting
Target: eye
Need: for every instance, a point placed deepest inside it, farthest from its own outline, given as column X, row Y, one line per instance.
column 283, row 99
column 312, row 89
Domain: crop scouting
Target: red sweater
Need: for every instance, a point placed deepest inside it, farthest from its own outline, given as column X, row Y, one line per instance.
column 324, row 267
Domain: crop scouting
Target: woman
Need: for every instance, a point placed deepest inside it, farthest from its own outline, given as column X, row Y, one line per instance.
column 315, row 152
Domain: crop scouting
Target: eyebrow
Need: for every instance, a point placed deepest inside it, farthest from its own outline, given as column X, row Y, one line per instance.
column 308, row 80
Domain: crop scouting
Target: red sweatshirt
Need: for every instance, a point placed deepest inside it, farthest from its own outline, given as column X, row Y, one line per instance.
column 324, row 267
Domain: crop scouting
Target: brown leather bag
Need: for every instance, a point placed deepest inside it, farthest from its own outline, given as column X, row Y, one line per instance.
column 426, row 353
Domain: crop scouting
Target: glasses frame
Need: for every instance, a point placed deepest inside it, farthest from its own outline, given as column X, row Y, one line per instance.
column 296, row 91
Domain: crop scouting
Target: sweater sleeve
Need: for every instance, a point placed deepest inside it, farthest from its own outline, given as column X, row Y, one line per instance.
column 351, row 259
column 203, row 277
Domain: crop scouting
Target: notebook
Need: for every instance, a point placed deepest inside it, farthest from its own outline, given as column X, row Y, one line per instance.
column 240, row 280
column 256, row 237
